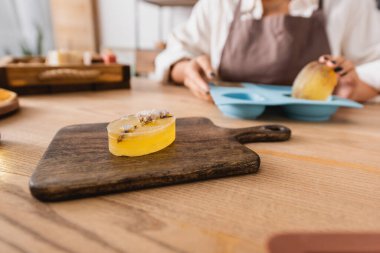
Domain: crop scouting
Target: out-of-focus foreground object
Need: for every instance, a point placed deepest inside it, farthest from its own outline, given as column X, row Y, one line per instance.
column 325, row 243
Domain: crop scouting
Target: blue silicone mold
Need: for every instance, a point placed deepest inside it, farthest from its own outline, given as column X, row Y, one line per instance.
column 250, row 101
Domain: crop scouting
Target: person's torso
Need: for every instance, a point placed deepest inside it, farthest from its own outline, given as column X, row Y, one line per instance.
column 221, row 13
column 272, row 49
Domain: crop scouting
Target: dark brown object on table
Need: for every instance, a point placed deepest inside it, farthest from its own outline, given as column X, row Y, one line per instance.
column 325, row 243
column 78, row 163
column 37, row 79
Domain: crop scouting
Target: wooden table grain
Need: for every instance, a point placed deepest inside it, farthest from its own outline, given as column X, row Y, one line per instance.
column 326, row 178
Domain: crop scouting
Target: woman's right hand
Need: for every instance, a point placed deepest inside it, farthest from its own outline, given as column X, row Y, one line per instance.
column 194, row 74
column 349, row 84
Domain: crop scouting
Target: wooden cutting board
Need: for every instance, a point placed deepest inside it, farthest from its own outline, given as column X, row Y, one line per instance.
column 77, row 163
column 10, row 104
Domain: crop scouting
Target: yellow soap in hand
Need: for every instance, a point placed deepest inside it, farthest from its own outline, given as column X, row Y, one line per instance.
column 142, row 133
column 316, row 81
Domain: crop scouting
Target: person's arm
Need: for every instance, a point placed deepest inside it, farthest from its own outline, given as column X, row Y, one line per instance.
column 350, row 85
column 370, row 74
column 187, row 41
column 360, row 43
column 194, row 74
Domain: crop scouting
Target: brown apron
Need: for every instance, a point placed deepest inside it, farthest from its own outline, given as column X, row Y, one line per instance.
column 274, row 49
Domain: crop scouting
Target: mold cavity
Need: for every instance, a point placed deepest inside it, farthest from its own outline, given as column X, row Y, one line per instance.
column 245, row 96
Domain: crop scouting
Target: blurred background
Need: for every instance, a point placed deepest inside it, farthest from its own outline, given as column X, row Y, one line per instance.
column 135, row 30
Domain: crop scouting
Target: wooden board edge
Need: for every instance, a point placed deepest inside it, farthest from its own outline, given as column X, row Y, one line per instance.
column 44, row 195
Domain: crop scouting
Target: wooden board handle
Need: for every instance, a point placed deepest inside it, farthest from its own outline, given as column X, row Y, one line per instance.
column 266, row 133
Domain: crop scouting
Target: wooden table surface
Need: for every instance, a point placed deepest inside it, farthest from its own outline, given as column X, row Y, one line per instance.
column 326, row 178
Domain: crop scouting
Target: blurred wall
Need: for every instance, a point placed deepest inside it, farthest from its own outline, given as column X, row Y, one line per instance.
column 18, row 21
column 118, row 23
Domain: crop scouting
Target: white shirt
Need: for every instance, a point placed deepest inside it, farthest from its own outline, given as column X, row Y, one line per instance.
column 353, row 29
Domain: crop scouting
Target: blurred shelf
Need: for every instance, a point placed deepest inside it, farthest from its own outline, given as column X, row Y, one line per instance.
column 172, row 2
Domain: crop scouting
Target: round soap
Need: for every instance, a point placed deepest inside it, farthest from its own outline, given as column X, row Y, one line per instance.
column 141, row 134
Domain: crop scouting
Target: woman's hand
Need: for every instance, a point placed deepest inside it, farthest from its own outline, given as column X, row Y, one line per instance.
column 194, row 74
column 349, row 85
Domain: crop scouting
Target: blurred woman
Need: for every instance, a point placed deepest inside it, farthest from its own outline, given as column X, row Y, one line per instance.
column 270, row 41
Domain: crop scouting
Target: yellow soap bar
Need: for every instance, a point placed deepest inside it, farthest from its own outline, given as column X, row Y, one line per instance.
column 316, row 81
column 141, row 134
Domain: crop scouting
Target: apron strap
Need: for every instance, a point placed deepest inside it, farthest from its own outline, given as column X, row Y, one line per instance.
column 320, row 5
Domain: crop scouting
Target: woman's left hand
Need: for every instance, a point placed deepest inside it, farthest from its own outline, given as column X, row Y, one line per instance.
column 349, row 84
